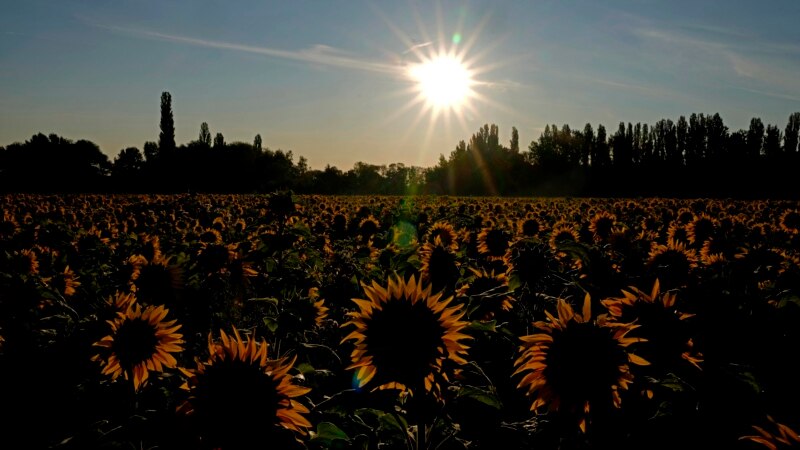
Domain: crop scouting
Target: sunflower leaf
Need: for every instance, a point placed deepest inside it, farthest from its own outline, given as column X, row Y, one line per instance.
column 480, row 395
column 488, row 326
column 327, row 433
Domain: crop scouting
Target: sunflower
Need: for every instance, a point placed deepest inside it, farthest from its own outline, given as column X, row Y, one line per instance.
column 662, row 324
column 439, row 265
column 530, row 261
column 782, row 437
column 672, row 262
column 576, row 361
column 388, row 352
column 562, row 231
column 491, row 291
column 157, row 280
column 790, row 222
column 319, row 306
column 141, row 341
column 529, row 227
column 493, row 242
column 236, row 376
column 446, row 234
column 69, row 282
column 700, row 229
column 601, row 225
column 368, row 227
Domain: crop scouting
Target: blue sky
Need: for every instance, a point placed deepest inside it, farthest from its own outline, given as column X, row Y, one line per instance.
column 328, row 80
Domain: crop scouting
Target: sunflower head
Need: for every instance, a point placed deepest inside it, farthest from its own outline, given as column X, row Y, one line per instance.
column 405, row 337
column 236, row 376
column 447, row 235
column 576, row 362
column 439, row 265
column 490, row 294
column 530, row 261
column 672, row 263
column 141, row 341
column 493, row 242
column 700, row 229
column 790, row 222
column 529, row 227
column 562, row 231
column 662, row 325
column 601, row 225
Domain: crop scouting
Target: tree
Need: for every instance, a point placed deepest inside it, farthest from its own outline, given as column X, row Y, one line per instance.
column 257, row 143
column 790, row 136
column 772, row 142
column 205, row 135
column 166, row 139
column 128, row 162
column 587, row 144
column 755, row 138
column 514, row 144
column 219, row 141
column 150, row 152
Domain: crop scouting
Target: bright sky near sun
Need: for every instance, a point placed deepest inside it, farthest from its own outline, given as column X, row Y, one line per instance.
column 387, row 81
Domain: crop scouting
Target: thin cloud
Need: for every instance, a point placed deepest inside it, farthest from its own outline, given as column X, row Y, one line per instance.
column 319, row 54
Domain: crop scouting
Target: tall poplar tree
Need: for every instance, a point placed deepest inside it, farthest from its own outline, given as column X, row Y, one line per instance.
column 166, row 139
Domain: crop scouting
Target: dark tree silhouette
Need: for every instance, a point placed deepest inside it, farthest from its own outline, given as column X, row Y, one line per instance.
column 205, row 135
column 166, row 139
column 257, row 142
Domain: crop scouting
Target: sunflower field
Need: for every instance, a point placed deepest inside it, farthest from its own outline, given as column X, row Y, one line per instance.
column 322, row 322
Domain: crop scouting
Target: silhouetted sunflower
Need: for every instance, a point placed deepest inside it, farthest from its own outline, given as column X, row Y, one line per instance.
column 439, row 265
column 446, row 234
column 404, row 336
column 661, row 324
column 562, row 231
column 529, row 227
column 601, row 225
column 576, row 361
column 368, row 227
column 790, row 222
column 157, row 281
column 240, row 399
column 672, row 263
column 141, row 341
column 700, row 229
column 491, row 292
column 782, row 437
column 493, row 243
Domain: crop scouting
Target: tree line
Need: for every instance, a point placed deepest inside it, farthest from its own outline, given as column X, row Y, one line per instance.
column 698, row 156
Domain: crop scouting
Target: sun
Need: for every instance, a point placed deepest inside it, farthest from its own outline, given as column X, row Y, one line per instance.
column 443, row 81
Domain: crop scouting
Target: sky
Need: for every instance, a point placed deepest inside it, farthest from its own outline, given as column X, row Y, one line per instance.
column 331, row 80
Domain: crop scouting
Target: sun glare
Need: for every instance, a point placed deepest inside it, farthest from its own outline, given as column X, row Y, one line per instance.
column 443, row 81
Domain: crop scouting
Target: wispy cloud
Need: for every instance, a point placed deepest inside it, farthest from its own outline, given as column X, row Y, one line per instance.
column 771, row 65
column 318, row 54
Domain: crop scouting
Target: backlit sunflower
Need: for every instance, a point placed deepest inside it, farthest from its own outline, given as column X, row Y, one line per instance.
column 141, row 341
column 439, row 265
column 319, row 306
column 700, row 229
column 661, row 324
column 493, row 242
column 490, row 292
column 601, row 225
column 672, row 263
column 404, row 336
column 782, row 437
column 576, row 361
column 562, row 231
column 446, row 234
column 157, row 280
column 790, row 222
column 240, row 399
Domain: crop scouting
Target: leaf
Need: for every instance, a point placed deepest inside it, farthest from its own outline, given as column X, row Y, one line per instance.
column 480, row 395
column 271, row 300
column 488, row 326
column 327, row 433
column 271, row 324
